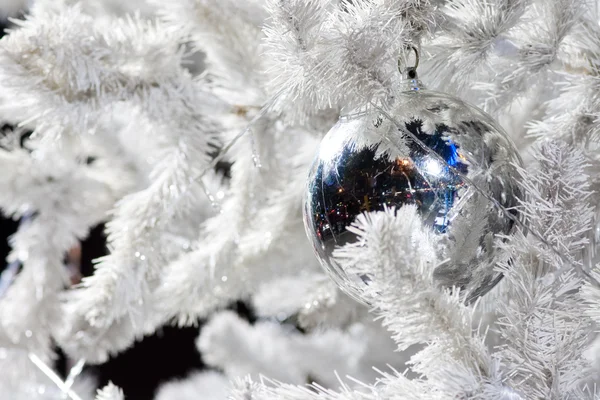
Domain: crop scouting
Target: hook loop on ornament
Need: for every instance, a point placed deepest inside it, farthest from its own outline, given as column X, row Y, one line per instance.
column 410, row 78
column 410, row 72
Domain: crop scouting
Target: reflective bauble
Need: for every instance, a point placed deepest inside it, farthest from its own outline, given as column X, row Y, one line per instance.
column 453, row 165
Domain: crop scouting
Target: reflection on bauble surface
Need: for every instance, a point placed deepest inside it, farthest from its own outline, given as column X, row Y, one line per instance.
column 366, row 163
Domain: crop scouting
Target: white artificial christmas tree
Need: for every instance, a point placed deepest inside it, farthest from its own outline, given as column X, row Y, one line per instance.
column 158, row 92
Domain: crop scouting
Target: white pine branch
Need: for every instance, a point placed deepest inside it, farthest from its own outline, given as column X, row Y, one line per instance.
column 110, row 392
column 313, row 298
column 282, row 353
column 21, row 379
column 246, row 244
column 228, row 33
column 64, row 199
column 309, row 44
column 539, row 42
column 208, row 385
column 292, row 40
column 136, row 62
column 558, row 206
column 395, row 386
column 543, row 324
column 571, row 116
column 397, row 254
column 62, row 69
column 469, row 33
column 591, row 296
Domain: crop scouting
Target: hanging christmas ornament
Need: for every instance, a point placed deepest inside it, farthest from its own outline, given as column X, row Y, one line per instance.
column 430, row 149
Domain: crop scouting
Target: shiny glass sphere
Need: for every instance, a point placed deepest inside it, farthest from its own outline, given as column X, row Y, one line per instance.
column 448, row 158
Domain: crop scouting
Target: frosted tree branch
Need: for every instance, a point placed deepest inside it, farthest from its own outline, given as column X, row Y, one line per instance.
column 282, row 353
column 135, row 62
column 60, row 217
column 110, row 392
column 231, row 267
column 309, row 43
column 208, row 385
column 472, row 30
column 398, row 255
column 544, row 326
column 312, row 298
column 539, row 45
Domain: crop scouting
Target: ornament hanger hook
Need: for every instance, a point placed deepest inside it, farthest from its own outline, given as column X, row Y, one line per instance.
column 409, row 74
column 417, row 59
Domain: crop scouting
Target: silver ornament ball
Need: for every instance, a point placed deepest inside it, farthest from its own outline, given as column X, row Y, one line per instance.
column 448, row 158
